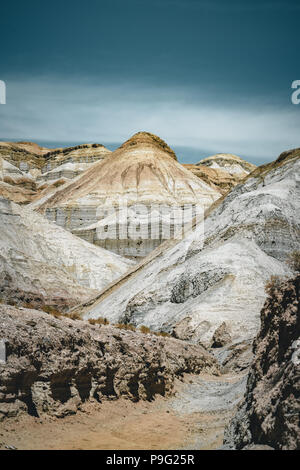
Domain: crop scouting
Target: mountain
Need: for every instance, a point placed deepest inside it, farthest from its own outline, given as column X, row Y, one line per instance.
column 218, row 179
column 42, row 264
column 143, row 171
column 71, row 161
column 206, row 280
column 232, row 164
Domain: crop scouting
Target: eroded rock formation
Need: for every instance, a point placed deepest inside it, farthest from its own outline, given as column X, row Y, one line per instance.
column 269, row 413
column 143, row 171
column 229, row 163
column 56, row 364
column 219, row 276
column 219, row 179
column 43, row 264
column 29, row 172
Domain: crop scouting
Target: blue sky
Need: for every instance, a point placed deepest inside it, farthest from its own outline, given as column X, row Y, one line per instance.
column 207, row 76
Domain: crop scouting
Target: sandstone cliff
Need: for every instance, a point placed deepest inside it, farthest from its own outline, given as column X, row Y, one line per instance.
column 55, row 365
column 269, row 413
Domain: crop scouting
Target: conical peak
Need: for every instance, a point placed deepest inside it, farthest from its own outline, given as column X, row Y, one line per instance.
column 146, row 138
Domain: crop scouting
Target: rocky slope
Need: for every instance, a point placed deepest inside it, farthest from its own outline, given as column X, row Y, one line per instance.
column 144, row 170
column 16, row 185
column 43, row 264
column 219, row 277
column 86, row 153
column 55, row 365
column 31, row 171
column 24, row 155
column 217, row 178
column 269, row 414
column 229, row 163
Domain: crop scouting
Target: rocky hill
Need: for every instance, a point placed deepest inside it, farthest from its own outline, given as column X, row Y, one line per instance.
column 232, row 164
column 24, row 155
column 204, row 281
column 42, row 264
column 144, row 170
column 69, row 162
column 217, row 178
column 57, row 364
column 269, row 413
column 15, row 184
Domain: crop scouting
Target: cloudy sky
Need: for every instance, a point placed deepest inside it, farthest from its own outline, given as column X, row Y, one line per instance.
column 206, row 76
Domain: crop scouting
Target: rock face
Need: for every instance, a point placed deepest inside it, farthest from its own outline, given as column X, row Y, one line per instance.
column 229, row 163
column 269, row 414
column 219, row 276
column 55, row 365
column 143, row 171
column 43, row 264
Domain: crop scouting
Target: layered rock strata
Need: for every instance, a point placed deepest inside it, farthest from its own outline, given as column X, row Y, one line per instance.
column 57, row 364
column 217, row 178
column 219, row 276
column 43, row 264
column 229, row 163
column 107, row 198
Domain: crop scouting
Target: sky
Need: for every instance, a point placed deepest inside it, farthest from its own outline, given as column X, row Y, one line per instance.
column 206, row 76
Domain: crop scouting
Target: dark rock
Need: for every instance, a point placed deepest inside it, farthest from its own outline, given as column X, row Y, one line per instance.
column 221, row 336
column 269, row 413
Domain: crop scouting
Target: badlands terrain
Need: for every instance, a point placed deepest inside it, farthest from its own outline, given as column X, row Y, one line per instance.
column 147, row 342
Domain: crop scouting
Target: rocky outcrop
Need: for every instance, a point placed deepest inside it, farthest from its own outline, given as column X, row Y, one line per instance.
column 55, row 365
column 16, row 185
column 143, row 172
column 219, row 275
column 229, row 163
column 70, row 162
column 269, row 413
column 23, row 155
column 43, row 264
column 27, row 169
column 80, row 154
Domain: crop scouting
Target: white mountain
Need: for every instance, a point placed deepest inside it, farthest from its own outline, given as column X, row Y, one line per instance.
column 203, row 281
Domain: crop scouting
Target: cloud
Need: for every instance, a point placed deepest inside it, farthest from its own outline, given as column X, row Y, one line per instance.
column 57, row 111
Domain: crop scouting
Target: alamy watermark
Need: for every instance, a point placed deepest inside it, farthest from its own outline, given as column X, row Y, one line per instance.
column 296, row 94
column 2, row 92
